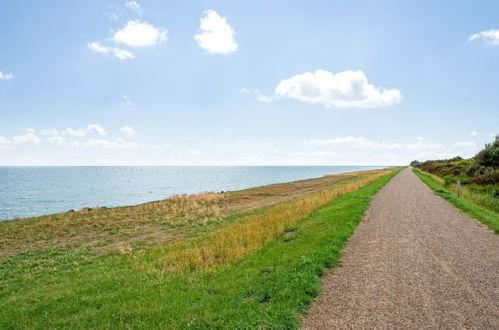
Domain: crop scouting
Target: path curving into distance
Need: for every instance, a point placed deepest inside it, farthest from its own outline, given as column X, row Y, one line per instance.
column 413, row 262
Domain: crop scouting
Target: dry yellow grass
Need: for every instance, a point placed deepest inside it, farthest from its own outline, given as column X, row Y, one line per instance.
column 145, row 225
column 235, row 241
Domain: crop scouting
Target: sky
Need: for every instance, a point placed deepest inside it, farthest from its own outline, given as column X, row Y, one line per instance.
column 246, row 83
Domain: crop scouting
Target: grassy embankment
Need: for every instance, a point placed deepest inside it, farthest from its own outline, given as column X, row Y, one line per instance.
column 256, row 265
column 481, row 206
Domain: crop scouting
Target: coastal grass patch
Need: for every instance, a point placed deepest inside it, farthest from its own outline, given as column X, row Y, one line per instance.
column 149, row 224
column 466, row 202
column 270, row 288
column 233, row 242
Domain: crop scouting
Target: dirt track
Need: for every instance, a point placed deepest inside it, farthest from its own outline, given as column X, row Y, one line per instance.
column 413, row 262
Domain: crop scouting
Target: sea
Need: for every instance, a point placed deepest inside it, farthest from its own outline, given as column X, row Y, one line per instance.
column 34, row 191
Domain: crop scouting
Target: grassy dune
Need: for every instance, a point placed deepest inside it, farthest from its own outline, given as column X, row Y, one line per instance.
column 269, row 284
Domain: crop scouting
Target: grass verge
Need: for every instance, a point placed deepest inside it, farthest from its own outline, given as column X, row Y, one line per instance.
column 270, row 288
column 487, row 217
column 239, row 239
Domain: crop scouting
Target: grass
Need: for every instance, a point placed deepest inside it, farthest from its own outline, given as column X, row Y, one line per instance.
column 235, row 241
column 149, row 224
column 466, row 202
column 478, row 195
column 270, row 287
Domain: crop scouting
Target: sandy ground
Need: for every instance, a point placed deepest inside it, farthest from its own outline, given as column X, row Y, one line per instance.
column 413, row 262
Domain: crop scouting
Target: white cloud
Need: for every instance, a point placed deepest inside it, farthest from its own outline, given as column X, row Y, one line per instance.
column 473, row 133
column 140, row 34
column 465, row 144
column 127, row 130
column 265, row 99
column 4, row 140
column 316, row 154
column 6, row 76
column 97, row 47
column 96, row 129
column 133, row 5
column 259, row 95
column 193, row 152
column 127, row 99
column 118, row 144
column 427, row 155
column 216, row 35
column 48, row 132
column 58, row 140
column 341, row 90
column 90, row 129
column 122, row 54
column 364, row 143
column 491, row 37
column 113, row 16
column 28, row 138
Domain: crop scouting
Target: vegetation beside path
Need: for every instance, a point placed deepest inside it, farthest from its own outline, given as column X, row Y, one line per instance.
column 464, row 202
column 271, row 286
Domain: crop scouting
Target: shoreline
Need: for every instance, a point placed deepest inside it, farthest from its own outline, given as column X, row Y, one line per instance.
column 141, row 200
column 158, row 221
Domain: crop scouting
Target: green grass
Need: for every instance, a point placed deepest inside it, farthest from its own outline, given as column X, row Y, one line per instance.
column 272, row 288
column 488, row 217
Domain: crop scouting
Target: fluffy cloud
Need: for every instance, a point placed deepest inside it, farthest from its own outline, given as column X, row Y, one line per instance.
column 341, row 90
column 58, row 140
column 491, row 37
column 28, row 138
column 4, row 140
column 464, row 144
column 117, row 144
column 127, row 99
column 316, row 154
column 127, row 130
column 6, row 76
column 193, row 152
column 48, row 132
column 133, row 5
column 259, row 95
column 122, row 54
column 364, row 143
column 140, row 34
column 216, row 35
column 90, row 129
column 473, row 133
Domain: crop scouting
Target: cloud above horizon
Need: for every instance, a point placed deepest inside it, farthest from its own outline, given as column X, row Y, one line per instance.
column 348, row 89
column 216, row 36
column 134, row 5
column 90, row 129
column 6, row 76
column 122, row 54
column 364, row 143
column 28, row 138
column 140, row 34
column 491, row 37
column 127, row 130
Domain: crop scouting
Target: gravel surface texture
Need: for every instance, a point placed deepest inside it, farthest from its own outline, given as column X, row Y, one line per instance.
column 414, row 262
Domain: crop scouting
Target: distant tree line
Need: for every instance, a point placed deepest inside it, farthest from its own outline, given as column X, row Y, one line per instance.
column 482, row 169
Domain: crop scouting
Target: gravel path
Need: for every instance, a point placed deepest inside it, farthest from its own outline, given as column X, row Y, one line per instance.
column 413, row 262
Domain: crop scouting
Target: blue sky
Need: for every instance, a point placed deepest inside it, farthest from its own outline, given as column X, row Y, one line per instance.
column 246, row 83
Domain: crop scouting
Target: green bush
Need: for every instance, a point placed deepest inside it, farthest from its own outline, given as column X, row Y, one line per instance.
column 483, row 169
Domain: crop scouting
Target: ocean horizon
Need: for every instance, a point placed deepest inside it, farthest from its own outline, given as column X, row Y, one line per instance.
column 28, row 191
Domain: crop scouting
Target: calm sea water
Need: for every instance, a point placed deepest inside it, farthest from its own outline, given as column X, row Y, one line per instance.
column 33, row 191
